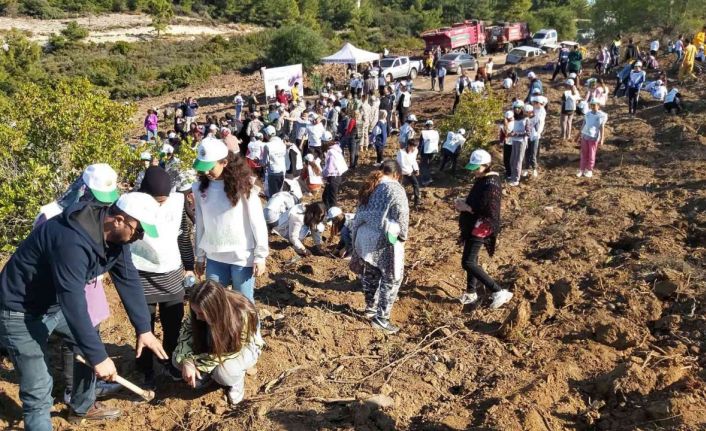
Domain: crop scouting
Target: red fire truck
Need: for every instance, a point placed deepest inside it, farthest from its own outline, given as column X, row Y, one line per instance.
column 505, row 36
column 467, row 36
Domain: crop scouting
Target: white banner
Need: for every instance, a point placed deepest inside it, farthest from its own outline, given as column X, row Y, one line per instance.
column 284, row 77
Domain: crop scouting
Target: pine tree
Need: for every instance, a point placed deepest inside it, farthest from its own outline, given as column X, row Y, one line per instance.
column 162, row 13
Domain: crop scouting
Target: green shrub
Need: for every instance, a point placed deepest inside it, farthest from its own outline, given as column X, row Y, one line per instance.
column 74, row 32
column 20, row 62
column 49, row 135
column 120, row 47
column 477, row 114
column 40, row 9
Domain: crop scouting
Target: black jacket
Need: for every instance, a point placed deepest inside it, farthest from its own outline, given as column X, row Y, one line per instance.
column 53, row 264
column 484, row 199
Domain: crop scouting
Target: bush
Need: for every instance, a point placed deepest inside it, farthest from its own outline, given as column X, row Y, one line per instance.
column 295, row 44
column 477, row 114
column 49, row 135
column 20, row 62
column 40, row 9
column 74, row 32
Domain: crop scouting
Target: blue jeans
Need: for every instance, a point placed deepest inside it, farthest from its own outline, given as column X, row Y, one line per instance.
column 25, row 337
column 151, row 134
column 240, row 277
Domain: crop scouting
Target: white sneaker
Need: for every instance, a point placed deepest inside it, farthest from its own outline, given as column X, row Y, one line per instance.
column 579, row 174
column 588, row 174
column 514, row 184
column 534, row 173
column 525, row 174
column 501, row 298
column 468, row 298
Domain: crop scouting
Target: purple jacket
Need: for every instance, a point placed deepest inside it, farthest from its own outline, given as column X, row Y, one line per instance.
column 335, row 162
column 151, row 122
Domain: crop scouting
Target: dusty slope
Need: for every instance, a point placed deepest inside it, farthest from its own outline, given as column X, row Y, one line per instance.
column 115, row 27
column 605, row 331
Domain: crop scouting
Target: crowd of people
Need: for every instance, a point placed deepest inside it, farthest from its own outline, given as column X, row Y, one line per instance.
column 198, row 233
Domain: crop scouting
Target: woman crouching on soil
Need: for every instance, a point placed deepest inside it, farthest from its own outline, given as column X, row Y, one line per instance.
column 379, row 231
column 219, row 340
column 480, row 225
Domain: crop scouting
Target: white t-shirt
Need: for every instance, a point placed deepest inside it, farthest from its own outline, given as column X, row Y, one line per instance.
column 255, row 149
column 507, row 83
column 477, row 86
column 430, row 141
column 593, row 122
column 453, row 141
column 315, row 133
column 407, row 161
column 671, row 95
column 276, row 153
column 238, row 100
column 654, row 45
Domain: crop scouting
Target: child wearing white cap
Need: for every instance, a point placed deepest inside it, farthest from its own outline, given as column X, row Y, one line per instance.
column 452, row 148
column 518, row 136
column 506, row 127
column 231, row 233
column 569, row 102
column 429, row 146
column 537, row 122
column 479, row 222
column 341, row 224
column 592, row 136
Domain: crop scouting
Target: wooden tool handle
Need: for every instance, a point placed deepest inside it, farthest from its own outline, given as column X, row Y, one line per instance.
column 146, row 395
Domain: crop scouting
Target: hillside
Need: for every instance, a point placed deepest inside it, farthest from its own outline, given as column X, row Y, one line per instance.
column 606, row 330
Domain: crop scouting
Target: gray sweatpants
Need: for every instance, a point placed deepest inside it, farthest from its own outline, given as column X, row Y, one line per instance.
column 518, row 154
column 380, row 291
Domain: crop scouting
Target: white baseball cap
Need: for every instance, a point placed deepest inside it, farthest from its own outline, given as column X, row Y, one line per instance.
column 145, row 155
column 167, row 149
column 462, row 131
column 213, row 127
column 102, row 180
column 531, row 75
column 332, row 213
column 572, row 75
column 411, row 118
column 529, row 108
column 429, row 123
column 509, row 114
column 172, row 135
column 309, row 157
column 209, row 152
column 478, row 158
column 570, row 82
column 142, row 207
column 638, row 63
column 518, row 104
column 269, row 131
column 327, row 136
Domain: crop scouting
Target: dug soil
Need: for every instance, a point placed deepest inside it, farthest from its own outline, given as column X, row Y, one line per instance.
column 606, row 329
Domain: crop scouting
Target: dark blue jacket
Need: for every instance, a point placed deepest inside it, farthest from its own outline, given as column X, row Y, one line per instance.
column 52, row 265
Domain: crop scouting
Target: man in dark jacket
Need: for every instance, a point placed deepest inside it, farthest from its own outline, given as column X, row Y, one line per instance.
column 42, row 292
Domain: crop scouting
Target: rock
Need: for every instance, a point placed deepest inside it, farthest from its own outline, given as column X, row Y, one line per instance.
column 386, row 389
column 278, row 316
column 669, row 323
column 543, row 307
column 516, row 321
column 380, row 401
column 306, row 269
column 658, row 409
column 667, row 283
column 565, row 292
column 310, row 356
column 217, row 409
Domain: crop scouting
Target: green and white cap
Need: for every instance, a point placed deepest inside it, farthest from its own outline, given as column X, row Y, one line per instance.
column 102, row 180
column 478, row 158
column 210, row 151
column 142, row 207
column 393, row 231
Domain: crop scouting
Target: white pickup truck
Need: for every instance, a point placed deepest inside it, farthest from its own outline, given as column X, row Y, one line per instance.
column 400, row 67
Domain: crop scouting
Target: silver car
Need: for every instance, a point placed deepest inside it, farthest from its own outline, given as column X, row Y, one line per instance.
column 457, row 62
column 523, row 53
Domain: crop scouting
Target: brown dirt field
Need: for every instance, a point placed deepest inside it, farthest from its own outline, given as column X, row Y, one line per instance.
column 606, row 329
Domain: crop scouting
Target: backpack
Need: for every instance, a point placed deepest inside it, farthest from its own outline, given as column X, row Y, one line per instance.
column 569, row 102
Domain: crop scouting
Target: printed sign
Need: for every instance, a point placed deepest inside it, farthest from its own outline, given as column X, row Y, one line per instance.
column 283, row 77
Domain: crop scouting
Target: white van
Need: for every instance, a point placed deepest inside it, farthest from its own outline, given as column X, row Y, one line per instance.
column 545, row 36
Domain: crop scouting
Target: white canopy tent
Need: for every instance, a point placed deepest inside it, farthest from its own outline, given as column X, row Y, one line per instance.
column 349, row 54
